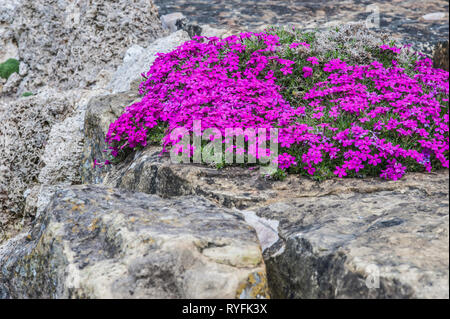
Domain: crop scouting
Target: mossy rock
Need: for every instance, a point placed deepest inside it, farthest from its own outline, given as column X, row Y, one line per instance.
column 9, row 67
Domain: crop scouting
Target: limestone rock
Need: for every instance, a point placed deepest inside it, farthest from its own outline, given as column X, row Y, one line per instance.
column 25, row 125
column 38, row 197
column 2, row 83
column 101, row 111
column 322, row 239
column 208, row 31
column 12, row 84
column 94, row 242
column 8, row 46
column 63, row 151
column 191, row 28
column 383, row 244
column 138, row 60
column 169, row 21
column 41, row 142
column 66, row 43
column 8, row 9
column 23, row 69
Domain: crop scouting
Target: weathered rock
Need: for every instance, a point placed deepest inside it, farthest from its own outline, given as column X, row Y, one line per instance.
column 101, row 111
column 191, row 28
column 23, row 69
column 322, row 239
column 66, row 44
column 8, row 46
column 151, row 172
column 61, row 45
column 25, row 125
column 169, row 21
column 41, row 139
column 38, row 197
column 11, row 85
column 2, row 83
column 138, row 60
column 93, row 242
column 382, row 244
column 8, row 9
column 440, row 56
column 208, row 31
column 63, row 151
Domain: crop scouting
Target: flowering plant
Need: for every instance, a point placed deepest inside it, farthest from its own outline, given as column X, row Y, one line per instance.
column 335, row 117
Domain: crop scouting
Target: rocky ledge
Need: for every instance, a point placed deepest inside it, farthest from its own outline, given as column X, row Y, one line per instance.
column 95, row 242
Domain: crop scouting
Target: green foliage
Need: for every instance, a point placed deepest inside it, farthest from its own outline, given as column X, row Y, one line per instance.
column 9, row 67
column 279, row 175
column 310, row 53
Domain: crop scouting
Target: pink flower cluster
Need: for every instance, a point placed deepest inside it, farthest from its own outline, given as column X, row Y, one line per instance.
column 361, row 118
column 204, row 79
column 384, row 107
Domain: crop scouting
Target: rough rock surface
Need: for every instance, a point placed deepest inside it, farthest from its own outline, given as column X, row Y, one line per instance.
column 66, row 44
column 322, row 240
column 11, row 85
column 8, row 46
column 63, row 151
column 346, row 238
column 41, row 139
column 94, row 242
column 42, row 136
column 24, row 130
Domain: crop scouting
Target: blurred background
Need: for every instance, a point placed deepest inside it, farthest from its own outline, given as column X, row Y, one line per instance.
column 421, row 23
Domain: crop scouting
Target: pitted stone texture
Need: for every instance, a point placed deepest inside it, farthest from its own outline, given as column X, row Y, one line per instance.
column 11, row 85
column 25, row 126
column 41, row 142
column 8, row 46
column 67, row 43
column 94, row 242
column 38, row 197
column 62, row 156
